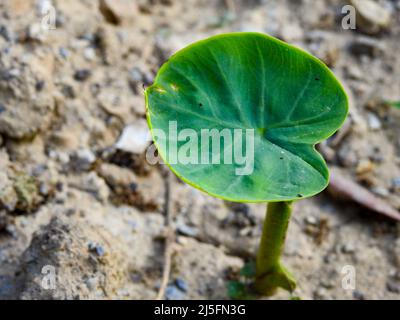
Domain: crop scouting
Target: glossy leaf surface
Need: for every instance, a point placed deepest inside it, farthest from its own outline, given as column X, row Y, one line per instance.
column 249, row 81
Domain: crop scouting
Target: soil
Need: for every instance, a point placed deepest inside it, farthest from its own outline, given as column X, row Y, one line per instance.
column 74, row 198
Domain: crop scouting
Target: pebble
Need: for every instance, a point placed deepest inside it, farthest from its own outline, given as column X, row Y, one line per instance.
column 348, row 248
column 89, row 54
column 136, row 75
column 311, row 220
column 321, row 293
column 372, row 17
column 396, row 183
column 91, row 283
column 43, row 189
column 186, row 230
column 354, row 72
column 5, row 33
column 172, row 292
column 358, row 295
column 365, row 166
column 13, row 73
column 95, row 186
column 40, row 85
column 89, row 37
column 374, row 122
column 134, row 138
column 64, row 53
column 36, row 32
column 82, row 75
column 393, row 287
column 181, row 284
column 83, row 159
column 96, row 248
column 62, row 157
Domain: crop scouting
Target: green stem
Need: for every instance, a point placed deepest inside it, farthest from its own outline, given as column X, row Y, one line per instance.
column 270, row 273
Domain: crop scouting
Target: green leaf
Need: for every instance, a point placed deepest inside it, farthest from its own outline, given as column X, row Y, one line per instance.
column 248, row 81
column 394, row 104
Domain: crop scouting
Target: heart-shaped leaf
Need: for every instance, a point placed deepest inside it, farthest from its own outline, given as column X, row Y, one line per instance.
column 247, row 82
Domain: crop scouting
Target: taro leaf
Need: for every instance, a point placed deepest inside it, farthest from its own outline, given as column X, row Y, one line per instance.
column 247, row 81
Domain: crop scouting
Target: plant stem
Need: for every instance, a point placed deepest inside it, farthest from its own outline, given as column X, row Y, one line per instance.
column 270, row 273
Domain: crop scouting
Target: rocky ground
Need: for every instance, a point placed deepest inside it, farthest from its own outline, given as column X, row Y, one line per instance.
column 77, row 196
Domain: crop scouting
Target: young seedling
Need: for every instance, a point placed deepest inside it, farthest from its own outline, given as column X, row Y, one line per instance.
column 282, row 99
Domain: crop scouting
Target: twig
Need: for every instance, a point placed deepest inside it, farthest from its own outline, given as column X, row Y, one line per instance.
column 341, row 186
column 169, row 237
column 342, row 133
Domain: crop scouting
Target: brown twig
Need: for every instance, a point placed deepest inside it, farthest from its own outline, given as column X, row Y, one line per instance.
column 341, row 134
column 346, row 188
column 169, row 237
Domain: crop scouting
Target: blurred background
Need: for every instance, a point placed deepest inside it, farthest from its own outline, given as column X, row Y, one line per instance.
column 83, row 215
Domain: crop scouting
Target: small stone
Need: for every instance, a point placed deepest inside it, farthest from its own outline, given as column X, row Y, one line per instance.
column 348, row 248
column 311, row 220
column 374, row 122
column 92, row 283
column 371, row 16
column 396, row 183
column 365, row 166
column 82, row 160
column 59, row 156
column 36, row 32
column 94, row 185
column 5, row 33
column 89, row 54
column 321, row 293
column 173, row 293
column 354, row 72
column 136, row 75
column 64, row 53
column 181, row 284
column 43, row 189
column 82, row 75
column 40, row 85
column 13, row 73
column 245, row 232
column 358, row 295
column 117, row 176
column 96, row 248
column 393, row 286
column 186, row 230
column 134, row 138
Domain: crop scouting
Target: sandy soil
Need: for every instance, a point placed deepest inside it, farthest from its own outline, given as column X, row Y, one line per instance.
column 69, row 199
